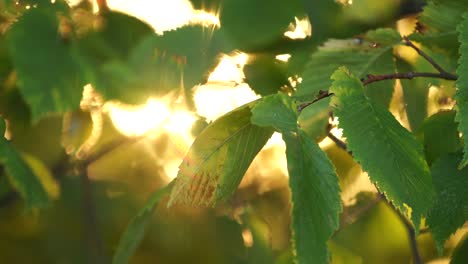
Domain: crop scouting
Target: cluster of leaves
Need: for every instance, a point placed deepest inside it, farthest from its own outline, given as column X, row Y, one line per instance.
column 53, row 50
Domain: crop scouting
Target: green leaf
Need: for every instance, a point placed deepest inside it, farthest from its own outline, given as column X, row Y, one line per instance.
column 387, row 151
column 449, row 212
column 315, row 212
column 440, row 135
column 277, row 110
column 437, row 24
column 49, row 73
column 462, row 84
column 265, row 74
column 315, row 197
column 22, row 177
column 442, row 16
column 218, row 159
column 280, row 112
column 135, row 230
column 371, row 55
column 262, row 22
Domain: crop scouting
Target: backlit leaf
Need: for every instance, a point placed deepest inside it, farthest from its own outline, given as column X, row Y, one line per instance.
column 218, row 159
column 390, row 154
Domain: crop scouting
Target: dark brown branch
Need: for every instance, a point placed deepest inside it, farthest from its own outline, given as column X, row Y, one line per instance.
column 411, row 233
column 339, row 142
column 408, row 75
column 429, row 59
column 322, row 95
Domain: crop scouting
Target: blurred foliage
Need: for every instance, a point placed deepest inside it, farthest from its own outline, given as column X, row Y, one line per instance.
column 62, row 203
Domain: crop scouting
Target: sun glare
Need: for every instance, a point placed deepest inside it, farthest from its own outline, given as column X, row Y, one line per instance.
column 229, row 69
column 162, row 15
column 137, row 120
column 301, row 30
column 283, row 57
column 224, row 91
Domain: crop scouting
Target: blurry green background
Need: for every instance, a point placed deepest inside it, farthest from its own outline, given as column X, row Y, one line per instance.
column 252, row 228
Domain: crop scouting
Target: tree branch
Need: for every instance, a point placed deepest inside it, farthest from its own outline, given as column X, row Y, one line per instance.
column 429, row 59
column 339, row 143
column 407, row 75
column 411, row 232
column 322, row 95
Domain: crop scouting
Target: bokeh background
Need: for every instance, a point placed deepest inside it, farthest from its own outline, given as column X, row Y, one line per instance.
column 147, row 143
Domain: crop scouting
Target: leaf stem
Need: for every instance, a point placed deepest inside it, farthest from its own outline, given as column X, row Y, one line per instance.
column 321, row 95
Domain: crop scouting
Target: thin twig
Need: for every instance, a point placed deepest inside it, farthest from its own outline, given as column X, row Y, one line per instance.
column 322, row 94
column 411, row 233
column 428, row 58
column 407, row 75
column 338, row 142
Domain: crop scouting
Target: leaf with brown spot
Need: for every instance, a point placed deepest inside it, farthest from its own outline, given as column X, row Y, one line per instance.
column 218, row 159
